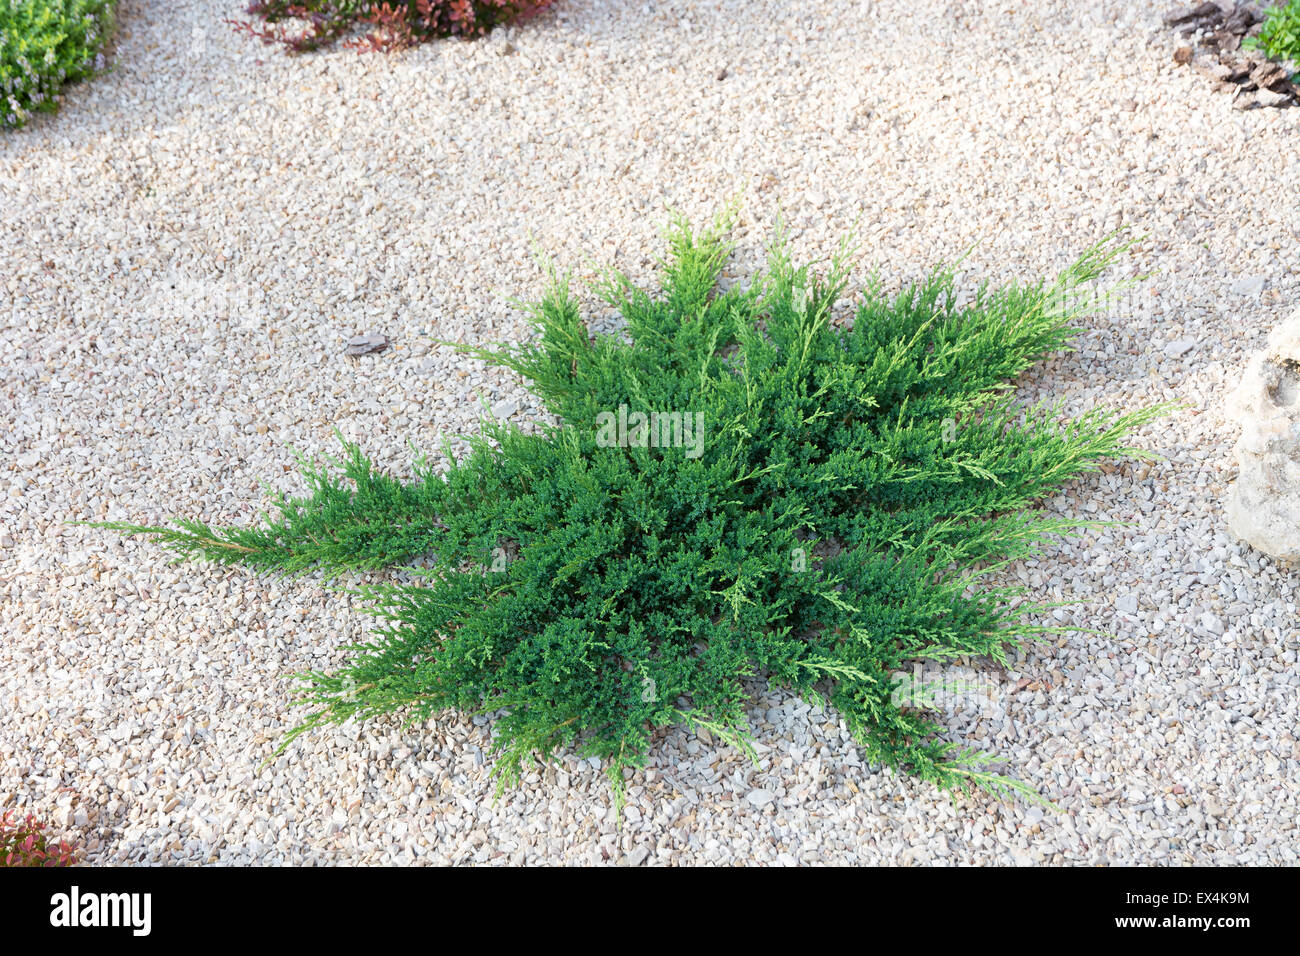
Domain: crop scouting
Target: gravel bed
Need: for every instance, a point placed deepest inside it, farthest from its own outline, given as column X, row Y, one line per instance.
column 191, row 242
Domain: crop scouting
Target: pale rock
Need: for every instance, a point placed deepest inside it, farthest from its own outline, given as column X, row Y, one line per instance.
column 1249, row 286
column 1264, row 504
column 1270, row 98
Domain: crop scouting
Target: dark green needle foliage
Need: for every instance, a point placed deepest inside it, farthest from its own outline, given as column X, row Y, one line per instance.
column 823, row 510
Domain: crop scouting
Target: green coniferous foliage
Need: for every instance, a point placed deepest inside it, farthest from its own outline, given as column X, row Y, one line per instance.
column 834, row 520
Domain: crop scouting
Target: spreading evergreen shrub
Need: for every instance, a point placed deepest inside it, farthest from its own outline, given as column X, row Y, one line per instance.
column 43, row 45
column 380, row 26
column 738, row 486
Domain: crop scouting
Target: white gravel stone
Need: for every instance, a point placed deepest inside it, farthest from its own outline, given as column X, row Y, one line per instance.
column 1252, row 285
column 192, row 241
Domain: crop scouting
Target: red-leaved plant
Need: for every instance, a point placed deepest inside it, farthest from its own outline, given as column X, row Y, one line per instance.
column 381, row 26
column 24, row 843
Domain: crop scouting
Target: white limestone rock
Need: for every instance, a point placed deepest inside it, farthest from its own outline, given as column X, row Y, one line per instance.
column 1264, row 503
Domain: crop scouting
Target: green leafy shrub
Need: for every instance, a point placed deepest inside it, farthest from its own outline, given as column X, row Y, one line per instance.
column 43, row 45
column 24, row 843
column 815, row 502
column 383, row 26
column 1279, row 37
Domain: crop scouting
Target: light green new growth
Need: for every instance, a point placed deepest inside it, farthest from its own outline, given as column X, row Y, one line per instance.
column 1279, row 36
